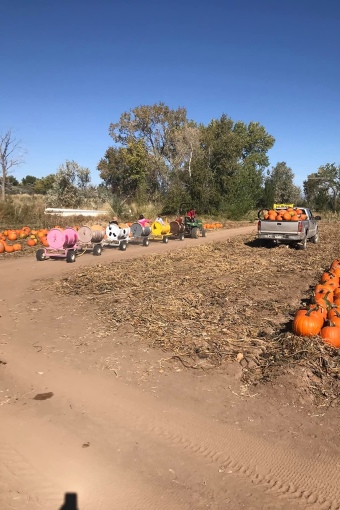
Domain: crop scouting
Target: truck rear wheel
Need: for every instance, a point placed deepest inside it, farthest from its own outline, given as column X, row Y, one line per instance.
column 315, row 239
column 303, row 244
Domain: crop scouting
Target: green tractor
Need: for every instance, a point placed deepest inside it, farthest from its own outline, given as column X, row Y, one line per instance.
column 193, row 227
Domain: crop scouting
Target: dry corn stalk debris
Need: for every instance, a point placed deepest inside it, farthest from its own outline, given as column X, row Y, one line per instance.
column 209, row 303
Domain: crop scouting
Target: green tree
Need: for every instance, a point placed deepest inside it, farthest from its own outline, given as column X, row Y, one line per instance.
column 71, row 186
column 155, row 127
column 124, row 170
column 44, row 185
column 280, row 187
column 322, row 188
column 235, row 156
column 29, row 180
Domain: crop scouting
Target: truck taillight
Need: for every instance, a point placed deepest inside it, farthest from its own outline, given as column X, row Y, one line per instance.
column 300, row 226
column 259, row 225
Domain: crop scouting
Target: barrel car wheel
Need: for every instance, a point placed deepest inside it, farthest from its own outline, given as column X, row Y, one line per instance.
column 71, row 256
column 40, row 255
column 97, row 250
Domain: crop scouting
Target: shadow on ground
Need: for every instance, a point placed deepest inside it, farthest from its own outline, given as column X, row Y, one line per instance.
column 70, row 501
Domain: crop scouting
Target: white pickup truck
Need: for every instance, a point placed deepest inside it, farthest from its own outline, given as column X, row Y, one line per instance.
column 277, row 230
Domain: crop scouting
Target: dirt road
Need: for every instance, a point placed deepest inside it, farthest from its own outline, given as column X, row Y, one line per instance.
column 108, row 420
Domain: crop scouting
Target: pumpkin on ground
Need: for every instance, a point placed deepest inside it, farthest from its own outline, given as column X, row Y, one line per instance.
column 320, row 308
column 329, row 276
column 308, row 324
column 331, row 336
column 12, row 236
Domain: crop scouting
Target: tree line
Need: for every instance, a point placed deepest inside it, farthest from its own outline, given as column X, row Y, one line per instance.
column 158, row 155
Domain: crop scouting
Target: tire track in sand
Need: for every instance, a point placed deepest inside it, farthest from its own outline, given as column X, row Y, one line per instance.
column 23, row 487
column 312, row 481
column 293, row 474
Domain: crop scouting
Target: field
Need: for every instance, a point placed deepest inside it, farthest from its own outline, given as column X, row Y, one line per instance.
column 169, row 366
column 208, row 304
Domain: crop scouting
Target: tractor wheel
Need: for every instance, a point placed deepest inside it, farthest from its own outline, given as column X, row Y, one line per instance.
column 97, row 250
column 194, row 233
column 40, row 255
column 71, row 256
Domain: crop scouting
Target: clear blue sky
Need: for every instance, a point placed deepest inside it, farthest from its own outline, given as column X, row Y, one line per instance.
column 70, row 67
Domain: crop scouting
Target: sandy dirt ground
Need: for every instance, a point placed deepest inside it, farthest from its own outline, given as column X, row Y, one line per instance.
column 116, row 426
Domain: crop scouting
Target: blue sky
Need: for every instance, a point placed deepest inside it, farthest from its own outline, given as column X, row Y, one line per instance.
column 70, row 67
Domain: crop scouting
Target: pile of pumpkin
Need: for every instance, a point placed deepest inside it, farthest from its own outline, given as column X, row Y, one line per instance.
column 289, row 214
column 24, row 234
column 322, row 316
column 212, row 226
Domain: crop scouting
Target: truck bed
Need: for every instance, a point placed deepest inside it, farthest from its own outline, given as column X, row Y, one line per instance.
column 289, row 231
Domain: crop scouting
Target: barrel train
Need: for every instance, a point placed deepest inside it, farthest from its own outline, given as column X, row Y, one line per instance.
column 69, row 243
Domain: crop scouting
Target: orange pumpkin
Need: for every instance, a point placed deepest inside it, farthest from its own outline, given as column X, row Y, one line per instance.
column 31, row 242
column 322, row 310
column 318, row 312
column 308, row 324
column 12, row 236
column 9, row 248
column 335, row 321
column 17, row 247
column 331, row 336
column 44, row 241
column 329, row 276
column 324, row 289
column 2, row 247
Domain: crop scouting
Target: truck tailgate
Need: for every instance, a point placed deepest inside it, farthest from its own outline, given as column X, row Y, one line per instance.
column 278, row 227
